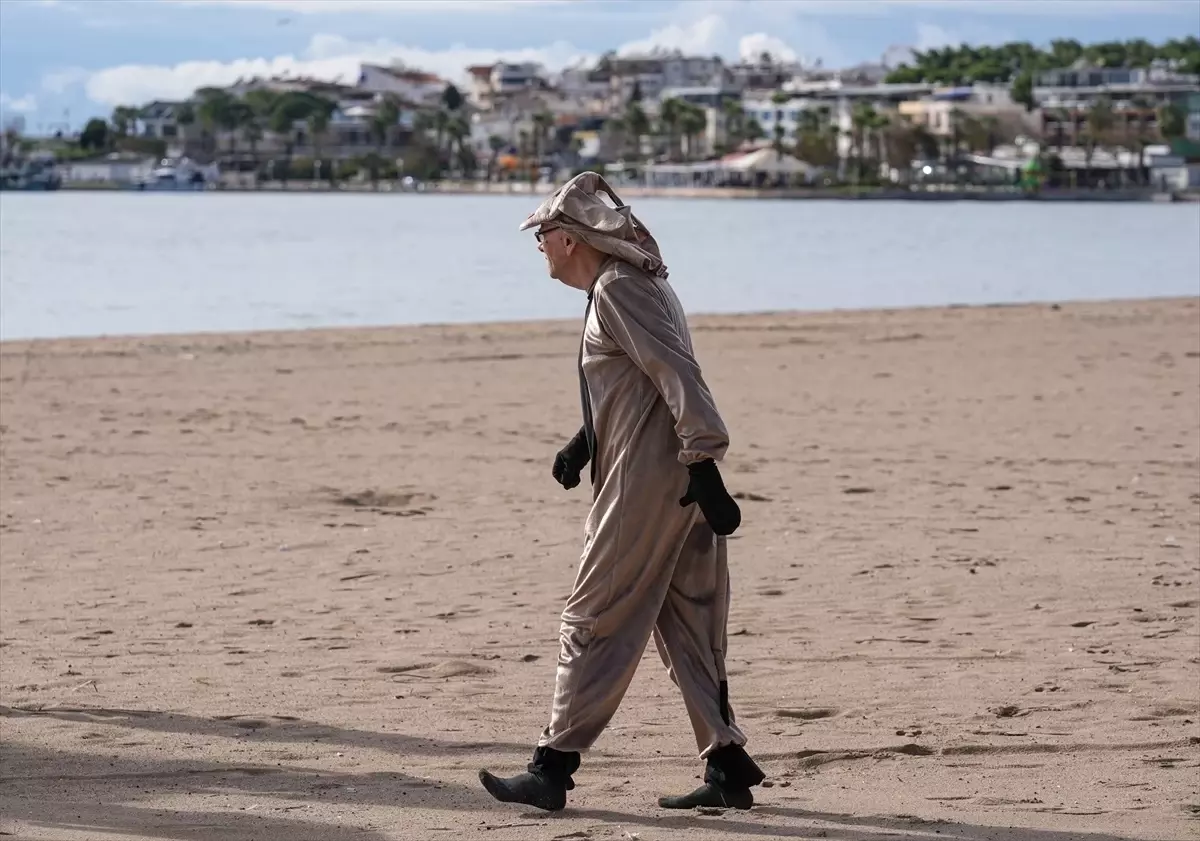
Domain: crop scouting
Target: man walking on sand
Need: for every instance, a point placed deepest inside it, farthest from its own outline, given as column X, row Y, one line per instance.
column 654, row 554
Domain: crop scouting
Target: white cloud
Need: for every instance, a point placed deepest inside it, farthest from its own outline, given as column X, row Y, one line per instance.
column 750, row 47
column 730, row 28
column 699, row 37
column 1047, row 8
column 1012, row 8
column 831, row 8
column 737, row 29
column 336, row 58
column 26, row 104
column 313, row 7
column 328, row 57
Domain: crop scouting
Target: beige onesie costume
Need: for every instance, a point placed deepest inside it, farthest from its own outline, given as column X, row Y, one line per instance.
column 650, row 564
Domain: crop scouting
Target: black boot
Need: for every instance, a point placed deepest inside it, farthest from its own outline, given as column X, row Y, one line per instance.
column 544, row 785
column 728, row 778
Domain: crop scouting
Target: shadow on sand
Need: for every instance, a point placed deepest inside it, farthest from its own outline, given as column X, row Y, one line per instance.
column 100, row 791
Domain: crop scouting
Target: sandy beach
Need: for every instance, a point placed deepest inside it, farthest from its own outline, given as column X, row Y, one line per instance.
column 302, row 585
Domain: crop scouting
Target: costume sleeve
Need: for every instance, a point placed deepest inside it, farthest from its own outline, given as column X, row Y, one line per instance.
column 637, row 318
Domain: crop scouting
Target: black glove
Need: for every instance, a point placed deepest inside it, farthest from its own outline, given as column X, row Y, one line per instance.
column 706, row 489
column 571, row 460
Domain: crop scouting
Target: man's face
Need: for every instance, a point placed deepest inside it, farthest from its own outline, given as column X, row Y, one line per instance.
column 556, row 246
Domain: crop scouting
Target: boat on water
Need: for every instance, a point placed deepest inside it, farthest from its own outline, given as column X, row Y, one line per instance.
column 36, row 173
column 178, row 174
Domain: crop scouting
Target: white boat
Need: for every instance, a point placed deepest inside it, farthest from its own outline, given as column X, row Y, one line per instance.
column 179, row 174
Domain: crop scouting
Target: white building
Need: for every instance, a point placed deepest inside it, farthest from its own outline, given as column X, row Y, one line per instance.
column 583, row 85
column 652, row 73
column 161, row 119
column 114, row 168
column 768, row 113
column 938, row 111
column 407, row 84
column 491, row 82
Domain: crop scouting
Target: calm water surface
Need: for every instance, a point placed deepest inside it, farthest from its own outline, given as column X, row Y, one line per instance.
column 81, row 264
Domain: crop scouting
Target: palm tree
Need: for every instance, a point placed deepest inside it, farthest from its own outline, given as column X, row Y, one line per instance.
column 253, row 132
column 879, row 127
column 124, row 120
column 381, row 128
column 753, row 130
column 185, row 117
column 814, row 143
column 441, row 119
column 903, row 144
column 669, row 115
column 862, row 119
column 692, row 122
column 992, row 130
column 496, row 144
column 237, row 117
column 457, row 132
column 1100, row 120
column 218, row 110
column 779, row 99
column 735, row 122
column 636, row 125
column 452, row 98
column 523, row 149
column 1172, row 122
column 261, row 103
column 543, row 126
column 318, row 124
column 1062, row 116
column 974, row 133
column 208, row 115
column 957, row 118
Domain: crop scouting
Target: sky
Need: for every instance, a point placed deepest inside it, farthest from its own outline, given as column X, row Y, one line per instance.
column 63, row 61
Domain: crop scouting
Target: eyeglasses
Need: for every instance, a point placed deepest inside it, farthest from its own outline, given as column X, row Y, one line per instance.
column 541, row 234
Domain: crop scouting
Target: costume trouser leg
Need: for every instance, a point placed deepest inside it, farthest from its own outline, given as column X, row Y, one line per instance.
column 691, row 633
column 671, row 583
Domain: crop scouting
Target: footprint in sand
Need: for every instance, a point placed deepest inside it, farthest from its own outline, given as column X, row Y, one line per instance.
column 444, row 670
column 392, row 503
column 809, row 714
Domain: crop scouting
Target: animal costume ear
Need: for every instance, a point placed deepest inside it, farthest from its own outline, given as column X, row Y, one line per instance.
column 579, row 210
column 583, row 187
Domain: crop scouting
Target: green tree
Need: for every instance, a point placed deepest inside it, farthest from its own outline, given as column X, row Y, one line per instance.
column 452, row 98
column 458, row 132
column 636, row 125
column 382, row 129
column 318, row 126
column 754, row 130
column 778, row 132
column 1021, row 90
column 863, row 120
column 1002, row 64
column 94, row 135
column 185, row 118
column 1172, row 122
column 670, row 113
column 816, row 139
column 735, row 122
column 496, row 144
column 218, row 110
column 1100, row 122
column 124, row 120
column 692, row 124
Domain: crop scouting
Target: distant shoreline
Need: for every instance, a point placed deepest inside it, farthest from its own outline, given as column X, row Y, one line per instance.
column 1148, row 195
column 700, row 319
